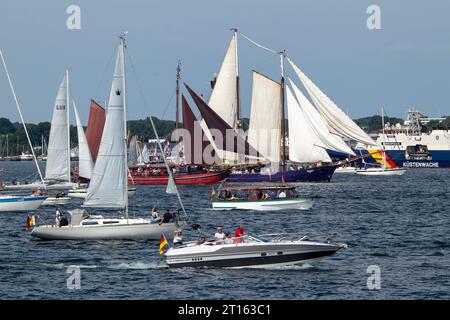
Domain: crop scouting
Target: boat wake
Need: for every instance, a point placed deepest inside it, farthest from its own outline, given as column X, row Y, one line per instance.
column 138, row 265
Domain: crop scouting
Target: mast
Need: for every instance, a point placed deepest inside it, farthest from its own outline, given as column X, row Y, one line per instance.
column 238, row 103
column 68, row 126
column 178, row 100
column 383, row 163
column 122, row 46
column 21, row 118
column 283, row 131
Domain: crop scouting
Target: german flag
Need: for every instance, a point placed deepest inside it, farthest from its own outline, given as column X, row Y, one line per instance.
column 162, row 244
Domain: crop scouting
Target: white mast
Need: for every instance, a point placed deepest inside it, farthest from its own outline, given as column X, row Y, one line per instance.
column 383, row 163
column 21, row 118
column 125, row 189
column 68, row 127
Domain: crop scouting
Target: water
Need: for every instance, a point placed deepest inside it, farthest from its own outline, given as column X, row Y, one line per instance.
column 400, row 224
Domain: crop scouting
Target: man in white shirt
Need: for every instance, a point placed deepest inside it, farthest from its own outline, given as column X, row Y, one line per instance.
column 57, row 217
column 219, row 236
column 282, row 194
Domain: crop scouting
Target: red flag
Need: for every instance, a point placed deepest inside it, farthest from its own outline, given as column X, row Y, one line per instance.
column 28, row 225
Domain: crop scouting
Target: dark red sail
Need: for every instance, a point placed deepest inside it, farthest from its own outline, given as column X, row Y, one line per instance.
column 94, row 130
column 232, row 141
column 194, row 140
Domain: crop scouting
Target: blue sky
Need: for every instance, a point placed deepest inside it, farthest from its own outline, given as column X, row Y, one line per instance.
column 406, row 63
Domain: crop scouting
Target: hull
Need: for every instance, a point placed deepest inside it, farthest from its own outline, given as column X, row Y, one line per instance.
column 265, row 205
column 204, row 178
column 439, row 159
column 81, row 193
column 39, row 185
column 381, row 172
column 131, row 231
column 318, row 174
column 56, row 201
column 243, row 255
column 20, row 204
column 346, row 170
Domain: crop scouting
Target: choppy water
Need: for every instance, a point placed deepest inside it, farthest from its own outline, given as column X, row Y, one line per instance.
column 400, row 224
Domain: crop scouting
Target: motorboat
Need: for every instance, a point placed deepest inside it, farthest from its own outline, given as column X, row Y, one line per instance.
column 82, row 192
column 97, row 227
column 260, row 199
column 11, row 203
column 56, row 201
column 381, row 172
column 250, row 252
column 49, row 185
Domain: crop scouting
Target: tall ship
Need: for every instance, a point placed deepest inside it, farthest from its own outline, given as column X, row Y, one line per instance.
column 409, row 146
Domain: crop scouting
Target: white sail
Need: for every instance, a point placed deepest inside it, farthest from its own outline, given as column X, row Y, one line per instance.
column 224, row 97
column 338, row 122
column 85, row 162
column 264, row 132
column 58, row 155
column 132, row 152
column 319, row 128
column 108, row 186
column 302, row 144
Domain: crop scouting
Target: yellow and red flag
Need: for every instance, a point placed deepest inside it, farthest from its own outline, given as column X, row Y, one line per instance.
column 162, row 244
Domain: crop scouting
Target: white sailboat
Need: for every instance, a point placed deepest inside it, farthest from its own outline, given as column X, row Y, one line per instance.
column 15, row 203
column 57, row 171
column 108, row 186
column 384, row 170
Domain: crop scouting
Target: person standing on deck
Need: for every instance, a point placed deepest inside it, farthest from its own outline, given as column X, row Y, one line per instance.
column 239, row 234
column 57, row 217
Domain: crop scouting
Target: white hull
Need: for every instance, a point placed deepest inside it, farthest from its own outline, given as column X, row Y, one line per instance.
column 20, row 204
column 351, row 170
column 81, row 193
column 56, row 201
column 134, row 229
column 381, row 172
column 37, row 185
column 265, row 205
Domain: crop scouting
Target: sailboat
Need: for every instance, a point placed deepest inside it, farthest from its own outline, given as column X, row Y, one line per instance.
column 386, row 169
column 193, row 171
column 57, row 172
column 19, row 203
column 266, row 134
column 108, row 186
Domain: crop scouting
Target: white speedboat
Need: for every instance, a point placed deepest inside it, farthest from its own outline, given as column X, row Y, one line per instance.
column 261, row 199
column 84, row 227
column 251, row 252
column 11, row 203
column 381, row 172
column 81, row 193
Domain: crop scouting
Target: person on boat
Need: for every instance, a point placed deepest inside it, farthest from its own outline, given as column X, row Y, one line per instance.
column 166, row 217
column 213, row 193
column 260, row 195
column 155, row 215
column 282, row 194
column 265, row 196
column 177, row 240
column 228, row 239
column 37, row 193
column 239, row 234
column 219, row 236
column 2, row 186
column 58, row 217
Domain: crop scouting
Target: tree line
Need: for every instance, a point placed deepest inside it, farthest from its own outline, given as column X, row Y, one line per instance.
column 13, row 134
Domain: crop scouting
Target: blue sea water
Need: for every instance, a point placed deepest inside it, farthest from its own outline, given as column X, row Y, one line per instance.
column 400, row 224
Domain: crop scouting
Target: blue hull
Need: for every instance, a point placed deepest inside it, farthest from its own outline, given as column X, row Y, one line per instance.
column 439, row 159
column 320, row 174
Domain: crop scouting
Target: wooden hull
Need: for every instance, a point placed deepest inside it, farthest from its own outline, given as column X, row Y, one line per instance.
column 202, row 178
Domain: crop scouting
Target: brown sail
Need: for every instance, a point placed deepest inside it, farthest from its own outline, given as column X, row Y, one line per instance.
column 232, row 141
column 94, row 129
column 194, row 144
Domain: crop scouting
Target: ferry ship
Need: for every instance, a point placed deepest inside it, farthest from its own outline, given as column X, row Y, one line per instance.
column 407, row 146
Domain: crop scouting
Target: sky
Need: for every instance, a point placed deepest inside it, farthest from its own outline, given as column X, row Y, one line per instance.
column 404, row 64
